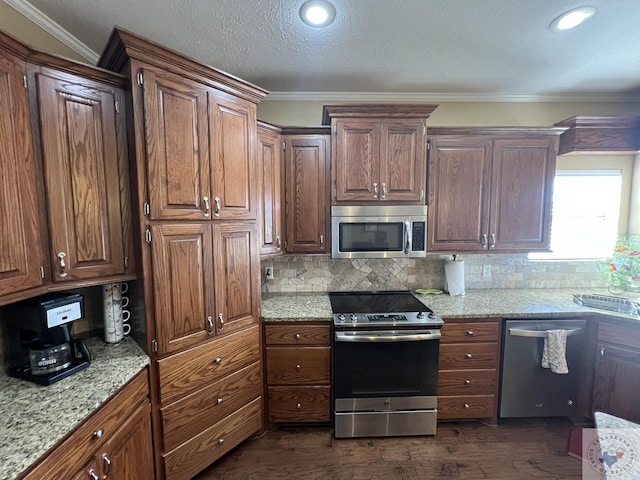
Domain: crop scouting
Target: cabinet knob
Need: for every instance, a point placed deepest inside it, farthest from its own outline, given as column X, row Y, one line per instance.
column 220, row 441
column 298, row 405
column 218, row 361
column 98, row 433
column 297, row 336
column 219, row 401
column 466, row 405
column 298, row 367
column 467, row 382
column 468, row 355
column 470, row 333
column 63, row 265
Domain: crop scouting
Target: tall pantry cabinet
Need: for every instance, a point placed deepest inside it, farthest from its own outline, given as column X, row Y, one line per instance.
column 194, row 144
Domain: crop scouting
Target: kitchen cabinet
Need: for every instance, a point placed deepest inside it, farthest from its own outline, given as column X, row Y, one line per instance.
column 114, row 442
column 617, row 371
column 21, row 260
column 490, row 189
column 270, row 173
column 306, row 202
column 469, row 369
column 298, row 372
column 196, row 202
column 600, row 135
column 378, row 153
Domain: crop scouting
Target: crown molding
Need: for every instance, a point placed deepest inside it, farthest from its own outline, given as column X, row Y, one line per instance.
column 450, row 97
column 44, row 22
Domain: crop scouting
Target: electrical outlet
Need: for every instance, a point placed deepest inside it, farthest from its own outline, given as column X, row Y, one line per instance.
column 486, row 271
column 268, row 271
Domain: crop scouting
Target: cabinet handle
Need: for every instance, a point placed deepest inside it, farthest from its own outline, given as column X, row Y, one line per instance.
column 207, row 207
column 470, row 333
column 298, row 405
column 322, row 240
column 93, row 475
column 210, row 328
column 278, row 242
column 221, row 321
column 466, row 405
column 98, row 433
column 468, row 355
column 485, row 240
column 63, row 265
column 493, row 241
column 298, row 367
column 375, row 190
column 384, row 191
column 297, row 336
column 467, row 382
column 219, row 401
column 107, row 465
column 216, row 206
column 601, row 352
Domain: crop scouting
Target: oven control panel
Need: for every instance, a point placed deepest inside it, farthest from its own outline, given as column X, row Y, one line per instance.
column 387, row 318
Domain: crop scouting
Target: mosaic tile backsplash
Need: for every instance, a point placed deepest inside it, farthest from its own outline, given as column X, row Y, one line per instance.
column 324, row 274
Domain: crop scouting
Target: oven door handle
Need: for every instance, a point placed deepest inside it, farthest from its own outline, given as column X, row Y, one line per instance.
column 386, row 336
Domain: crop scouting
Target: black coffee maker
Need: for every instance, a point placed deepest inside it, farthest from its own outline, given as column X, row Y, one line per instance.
column 40, row 346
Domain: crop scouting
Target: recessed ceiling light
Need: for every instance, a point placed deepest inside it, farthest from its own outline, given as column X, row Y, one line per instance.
column 317, row 13
column 572, row 18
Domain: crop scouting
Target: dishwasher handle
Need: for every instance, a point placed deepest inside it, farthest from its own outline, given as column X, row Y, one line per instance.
column 523, row 332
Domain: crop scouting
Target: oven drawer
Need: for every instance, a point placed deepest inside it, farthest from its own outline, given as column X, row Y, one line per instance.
column 299, row 404
column 470, row 332
column 296, row 366
column 297, row 335
column 468, row 355
column 467, row 382
column 466, row 406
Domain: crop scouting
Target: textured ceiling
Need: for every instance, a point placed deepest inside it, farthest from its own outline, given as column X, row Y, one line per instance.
column 456, row 47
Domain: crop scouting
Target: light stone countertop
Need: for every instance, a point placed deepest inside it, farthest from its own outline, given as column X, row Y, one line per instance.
column 33, row 418
column 506, row 303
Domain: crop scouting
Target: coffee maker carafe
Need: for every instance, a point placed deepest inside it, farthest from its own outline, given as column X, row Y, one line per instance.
column 40, row 345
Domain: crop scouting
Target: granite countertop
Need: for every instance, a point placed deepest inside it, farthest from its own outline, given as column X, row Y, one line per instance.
column 33, row 418
column 515, row 303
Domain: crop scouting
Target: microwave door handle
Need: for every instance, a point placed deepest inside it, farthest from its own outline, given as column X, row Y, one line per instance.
column 407, row 236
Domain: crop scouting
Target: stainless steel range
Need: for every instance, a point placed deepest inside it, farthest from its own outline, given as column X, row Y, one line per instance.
column 385, row 364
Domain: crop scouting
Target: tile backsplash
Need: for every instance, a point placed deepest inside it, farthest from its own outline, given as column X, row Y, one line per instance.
column 323, row 274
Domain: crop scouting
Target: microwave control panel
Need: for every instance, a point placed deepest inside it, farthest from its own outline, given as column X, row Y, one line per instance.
column 417, row 230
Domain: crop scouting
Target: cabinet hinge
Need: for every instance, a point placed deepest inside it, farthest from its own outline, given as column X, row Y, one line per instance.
column 41, row 271
column 24, row 81
column 154, row 345
column 147, row 235
column 117, row 106
column 140, row 79
column 147, row 209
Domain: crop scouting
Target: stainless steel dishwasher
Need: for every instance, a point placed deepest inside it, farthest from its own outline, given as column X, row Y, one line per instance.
column 529, row 390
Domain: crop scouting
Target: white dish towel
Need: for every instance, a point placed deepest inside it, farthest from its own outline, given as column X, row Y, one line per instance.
column 554, row 351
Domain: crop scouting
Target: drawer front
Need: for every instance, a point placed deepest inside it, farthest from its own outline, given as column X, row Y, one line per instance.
column 470, row 332
column 299, row 404
column 467, row 382
column 69, row 457
column 297, row 335
column 206, row 447
column 304, row 365
column 468, row 355
column 466, row 406
column 619, row 334
column 194, row 413
column 188, row 371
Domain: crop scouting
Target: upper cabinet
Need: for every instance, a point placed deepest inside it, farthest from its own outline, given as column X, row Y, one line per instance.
column 21, row 263
column 270, row 174
column 378, row 153
column 601, row 135
column 490, row 189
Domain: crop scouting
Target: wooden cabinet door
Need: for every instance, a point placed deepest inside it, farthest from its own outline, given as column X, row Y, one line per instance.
column 356, row 161
column 270, row 175
column 177, row 143
column 232, row 130
column 129, row 453
column 403, row 161
column 306, row 171
column 182, row 280
column 81, row 152
column 20, row 247
column 522, row 189
column 237, row 265
column 459, row 194
column 615, row 382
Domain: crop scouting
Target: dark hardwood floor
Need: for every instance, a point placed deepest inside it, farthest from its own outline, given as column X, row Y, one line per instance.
column 522, row 449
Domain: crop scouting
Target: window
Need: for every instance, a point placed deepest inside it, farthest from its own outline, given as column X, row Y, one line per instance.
column 586, row 209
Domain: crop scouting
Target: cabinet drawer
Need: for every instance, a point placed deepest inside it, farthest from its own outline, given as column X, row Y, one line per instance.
column 192, row 414
column 468, row 355
column 297, row 335
column 467, row 382
column 619, row 334
column 304, row 365
column 299, row 404
column 470, row 332
column 69, row 456
column 206, row 447
column 466, row 406
column 190, row 370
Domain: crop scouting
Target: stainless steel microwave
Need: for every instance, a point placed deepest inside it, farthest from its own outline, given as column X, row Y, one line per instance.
column 389, row 231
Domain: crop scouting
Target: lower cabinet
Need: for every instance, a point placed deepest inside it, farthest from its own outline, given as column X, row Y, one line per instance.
column 617, row 371
column 298, row 357
column 469, row 372
column 114, row 443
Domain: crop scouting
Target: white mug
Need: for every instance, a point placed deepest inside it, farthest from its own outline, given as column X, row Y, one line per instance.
column 125, row 315
column 124, row 301
column 114, row 313
column 126, row 329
